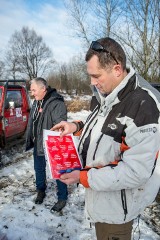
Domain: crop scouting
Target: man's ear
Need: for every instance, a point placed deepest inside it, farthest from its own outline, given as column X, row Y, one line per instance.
column 44, row 88
column 118, row 70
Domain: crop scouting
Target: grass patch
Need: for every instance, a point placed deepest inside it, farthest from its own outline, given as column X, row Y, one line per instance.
column 77, row 104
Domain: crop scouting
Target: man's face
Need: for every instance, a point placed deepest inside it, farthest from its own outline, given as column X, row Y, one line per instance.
column 38, row 91
column 103, row 79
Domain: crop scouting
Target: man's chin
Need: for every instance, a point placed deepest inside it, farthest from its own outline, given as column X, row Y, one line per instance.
column 101, row 91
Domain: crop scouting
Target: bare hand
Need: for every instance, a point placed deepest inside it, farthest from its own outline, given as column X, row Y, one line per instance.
column 70, row 178
column 64, row 127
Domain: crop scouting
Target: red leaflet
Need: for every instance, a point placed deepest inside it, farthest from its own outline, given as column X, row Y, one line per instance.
column 61, row 153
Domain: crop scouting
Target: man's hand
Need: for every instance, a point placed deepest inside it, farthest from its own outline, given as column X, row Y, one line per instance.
column 64, row 127
column 70, row 178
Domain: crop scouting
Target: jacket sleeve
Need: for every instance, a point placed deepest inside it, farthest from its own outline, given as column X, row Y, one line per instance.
column 58, row 112
column 137, row 163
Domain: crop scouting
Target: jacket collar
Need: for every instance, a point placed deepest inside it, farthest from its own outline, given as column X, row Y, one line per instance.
column 128, row 84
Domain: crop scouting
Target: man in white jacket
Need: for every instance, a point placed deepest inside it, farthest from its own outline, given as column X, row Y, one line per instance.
column 119, row 143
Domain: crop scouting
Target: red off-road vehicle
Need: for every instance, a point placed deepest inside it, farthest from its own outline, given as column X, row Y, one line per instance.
column 14, row 110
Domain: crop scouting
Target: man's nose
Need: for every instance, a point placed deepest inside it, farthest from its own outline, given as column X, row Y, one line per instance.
column 94, row 81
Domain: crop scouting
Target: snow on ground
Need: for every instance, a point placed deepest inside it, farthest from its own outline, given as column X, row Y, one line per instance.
column 21, row 219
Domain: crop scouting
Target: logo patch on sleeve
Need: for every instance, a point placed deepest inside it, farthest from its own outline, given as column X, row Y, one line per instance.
column 153, row 129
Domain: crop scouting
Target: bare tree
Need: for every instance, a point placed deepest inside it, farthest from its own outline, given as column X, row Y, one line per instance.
column 157, row 5
column 64, row 78
column 140, row 34
column 135, row 24
column 28, row 54
column 78, row 11
column 77, row 75
column 2, row 69
column 107, row 14
column 12, row 65
column 71, row 77
column 91, row 19
column 2, row 66
column 60, row 78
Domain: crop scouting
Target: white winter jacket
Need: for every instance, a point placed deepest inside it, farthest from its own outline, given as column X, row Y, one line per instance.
column 120, row 142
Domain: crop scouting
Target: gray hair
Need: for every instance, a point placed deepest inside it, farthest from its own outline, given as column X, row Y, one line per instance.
column 39, row 81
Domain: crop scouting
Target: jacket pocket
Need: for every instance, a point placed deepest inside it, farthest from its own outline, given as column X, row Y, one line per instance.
column 108, row 205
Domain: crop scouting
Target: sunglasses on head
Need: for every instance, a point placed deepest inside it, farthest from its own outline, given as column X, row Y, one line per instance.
column 96, row 46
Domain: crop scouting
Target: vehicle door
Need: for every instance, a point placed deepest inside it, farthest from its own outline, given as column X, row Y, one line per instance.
column 14, row 117
column 1, row 111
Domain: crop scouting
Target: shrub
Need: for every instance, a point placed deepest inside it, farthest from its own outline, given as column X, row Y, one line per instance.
column 77, row 104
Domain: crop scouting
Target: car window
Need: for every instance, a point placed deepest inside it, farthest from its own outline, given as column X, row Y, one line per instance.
column 13, row 99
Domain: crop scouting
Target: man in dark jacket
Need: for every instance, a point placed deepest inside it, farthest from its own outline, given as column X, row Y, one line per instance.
column 47, row 110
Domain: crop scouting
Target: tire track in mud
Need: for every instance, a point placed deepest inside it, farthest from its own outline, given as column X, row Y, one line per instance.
column 11, row 156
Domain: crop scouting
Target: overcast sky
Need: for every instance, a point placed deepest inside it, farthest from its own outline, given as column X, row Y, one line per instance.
column 47, row 17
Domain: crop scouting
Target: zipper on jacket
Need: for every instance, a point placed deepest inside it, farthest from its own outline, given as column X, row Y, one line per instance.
column 97, row 146
column 124, row 202
column 35, row 117
column 155, row 162
column 86, row 146
column 86, row 131
column 89, row 117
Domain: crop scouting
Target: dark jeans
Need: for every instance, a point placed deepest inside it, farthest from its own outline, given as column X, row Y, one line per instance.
column 62, row 192
column 40, row 173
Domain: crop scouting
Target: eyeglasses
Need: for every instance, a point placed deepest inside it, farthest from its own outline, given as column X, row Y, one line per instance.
column 96, row 46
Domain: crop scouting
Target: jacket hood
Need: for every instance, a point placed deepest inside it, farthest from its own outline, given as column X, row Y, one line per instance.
column 52, row 92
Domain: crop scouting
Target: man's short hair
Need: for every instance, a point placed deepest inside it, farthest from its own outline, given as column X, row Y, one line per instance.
column 39, row 81
column 114, row 53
